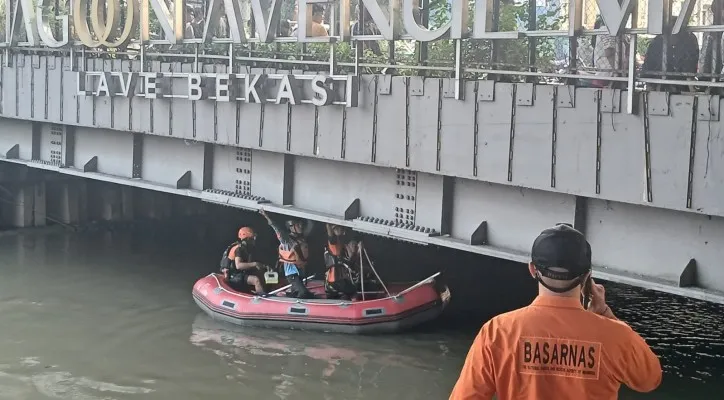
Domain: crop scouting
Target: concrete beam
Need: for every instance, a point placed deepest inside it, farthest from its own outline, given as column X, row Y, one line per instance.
column 208, row 177
column 35, row 141
column 68, row 146
column 446, row 216
column 580, row 214
column 137, row 156
column 288, row 180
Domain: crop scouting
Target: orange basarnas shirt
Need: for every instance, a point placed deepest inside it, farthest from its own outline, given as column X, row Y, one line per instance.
column 554, row 349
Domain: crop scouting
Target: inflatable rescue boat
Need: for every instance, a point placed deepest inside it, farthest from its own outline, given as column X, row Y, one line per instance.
column 396, row 308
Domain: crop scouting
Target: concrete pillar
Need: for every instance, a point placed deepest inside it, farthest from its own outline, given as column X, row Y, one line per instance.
column 186, row 206
column 127, row 209
column 154, row 205
column 111, row 207
column 83, row 205
column 69, row 210
column 40, row 204
column 28, row 206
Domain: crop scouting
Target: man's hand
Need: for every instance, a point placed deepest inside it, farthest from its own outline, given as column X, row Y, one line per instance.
column 598, row 299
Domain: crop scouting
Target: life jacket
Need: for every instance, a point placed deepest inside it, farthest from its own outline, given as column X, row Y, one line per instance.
column 338, row 251
column 228, row 258
column 289, row 256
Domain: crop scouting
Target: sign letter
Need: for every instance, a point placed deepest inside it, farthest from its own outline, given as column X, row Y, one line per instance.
column 223, row 91
column 172, row 25
column 323, row 93
column 266, row 18
column 615, row 15
column 233, row 16
column 44, row 30
column 385, row 21
column 287, row 90
column 251, row 84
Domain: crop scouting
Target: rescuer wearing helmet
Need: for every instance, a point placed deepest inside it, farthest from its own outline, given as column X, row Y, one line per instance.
column 340, row 256
column 293, row 254
column 554, row 348
column 237, row 265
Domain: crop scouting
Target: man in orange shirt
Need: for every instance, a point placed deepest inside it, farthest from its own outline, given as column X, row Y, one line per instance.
column 554, row 348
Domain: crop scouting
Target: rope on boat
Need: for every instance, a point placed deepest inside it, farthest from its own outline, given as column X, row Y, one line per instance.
column 418, row 284
column 362, row 277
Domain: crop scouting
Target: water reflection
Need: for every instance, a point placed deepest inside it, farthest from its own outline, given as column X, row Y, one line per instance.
column 328, row 359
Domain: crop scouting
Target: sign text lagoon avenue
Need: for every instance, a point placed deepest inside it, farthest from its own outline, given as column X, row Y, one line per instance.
column 112, row 23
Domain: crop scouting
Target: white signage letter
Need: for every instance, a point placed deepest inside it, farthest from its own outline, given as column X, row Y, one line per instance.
column 287, row 90
column 251, row 84
column 172, row 25
column 323, row 93
column 233, row 16
column 43, row 25
column 615, row 15
column 223, row 90
column 266, row 18
column 385, row 20
column 23, row 9
column 150, row 85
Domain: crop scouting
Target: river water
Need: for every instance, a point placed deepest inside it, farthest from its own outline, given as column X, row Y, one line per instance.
column 109, row 315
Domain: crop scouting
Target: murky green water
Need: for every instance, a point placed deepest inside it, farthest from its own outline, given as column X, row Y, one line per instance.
column 110, row 316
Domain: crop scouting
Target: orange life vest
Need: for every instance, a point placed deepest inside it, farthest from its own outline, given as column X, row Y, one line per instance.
column 289, row 256
column 232, row 252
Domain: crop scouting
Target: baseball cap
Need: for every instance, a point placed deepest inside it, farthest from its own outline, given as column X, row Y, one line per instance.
column 561, row 247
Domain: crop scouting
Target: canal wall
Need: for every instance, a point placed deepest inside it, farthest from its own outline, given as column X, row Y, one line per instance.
column 36, row 198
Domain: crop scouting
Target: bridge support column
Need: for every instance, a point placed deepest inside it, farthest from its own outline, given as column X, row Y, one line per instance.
column 73, row 209
column 127, row 203
column 154, row 205
column 117, row 203
column 26, row 206
column 111, row 203
column 184, row 206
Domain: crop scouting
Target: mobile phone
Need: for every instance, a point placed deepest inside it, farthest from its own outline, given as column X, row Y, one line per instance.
column 586, row 293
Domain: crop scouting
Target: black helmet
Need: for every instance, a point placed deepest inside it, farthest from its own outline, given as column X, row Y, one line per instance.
column 293, row 221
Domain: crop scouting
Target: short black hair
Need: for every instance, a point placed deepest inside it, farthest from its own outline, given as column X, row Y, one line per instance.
column 317, row 9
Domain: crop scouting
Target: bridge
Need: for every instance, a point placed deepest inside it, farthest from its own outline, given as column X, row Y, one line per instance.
column 437, row 157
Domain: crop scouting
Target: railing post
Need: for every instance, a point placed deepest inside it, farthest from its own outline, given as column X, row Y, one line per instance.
column 631, row 74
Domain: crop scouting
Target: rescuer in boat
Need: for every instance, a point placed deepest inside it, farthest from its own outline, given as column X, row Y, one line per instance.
column 237, row 265
column 340, row 254
column 293, row 254
column 555, row 348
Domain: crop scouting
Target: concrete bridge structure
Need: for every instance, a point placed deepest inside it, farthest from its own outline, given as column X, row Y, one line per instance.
column 484, row 174
column 476, row 165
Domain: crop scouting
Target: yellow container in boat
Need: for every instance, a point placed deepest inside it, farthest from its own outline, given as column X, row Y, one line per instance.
column 271, row 278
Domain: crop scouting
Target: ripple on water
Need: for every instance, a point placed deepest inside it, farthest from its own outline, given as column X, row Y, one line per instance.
column 26, row 379
column 682, row 331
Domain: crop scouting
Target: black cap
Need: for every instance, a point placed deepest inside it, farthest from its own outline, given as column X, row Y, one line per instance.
column 562, row 247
